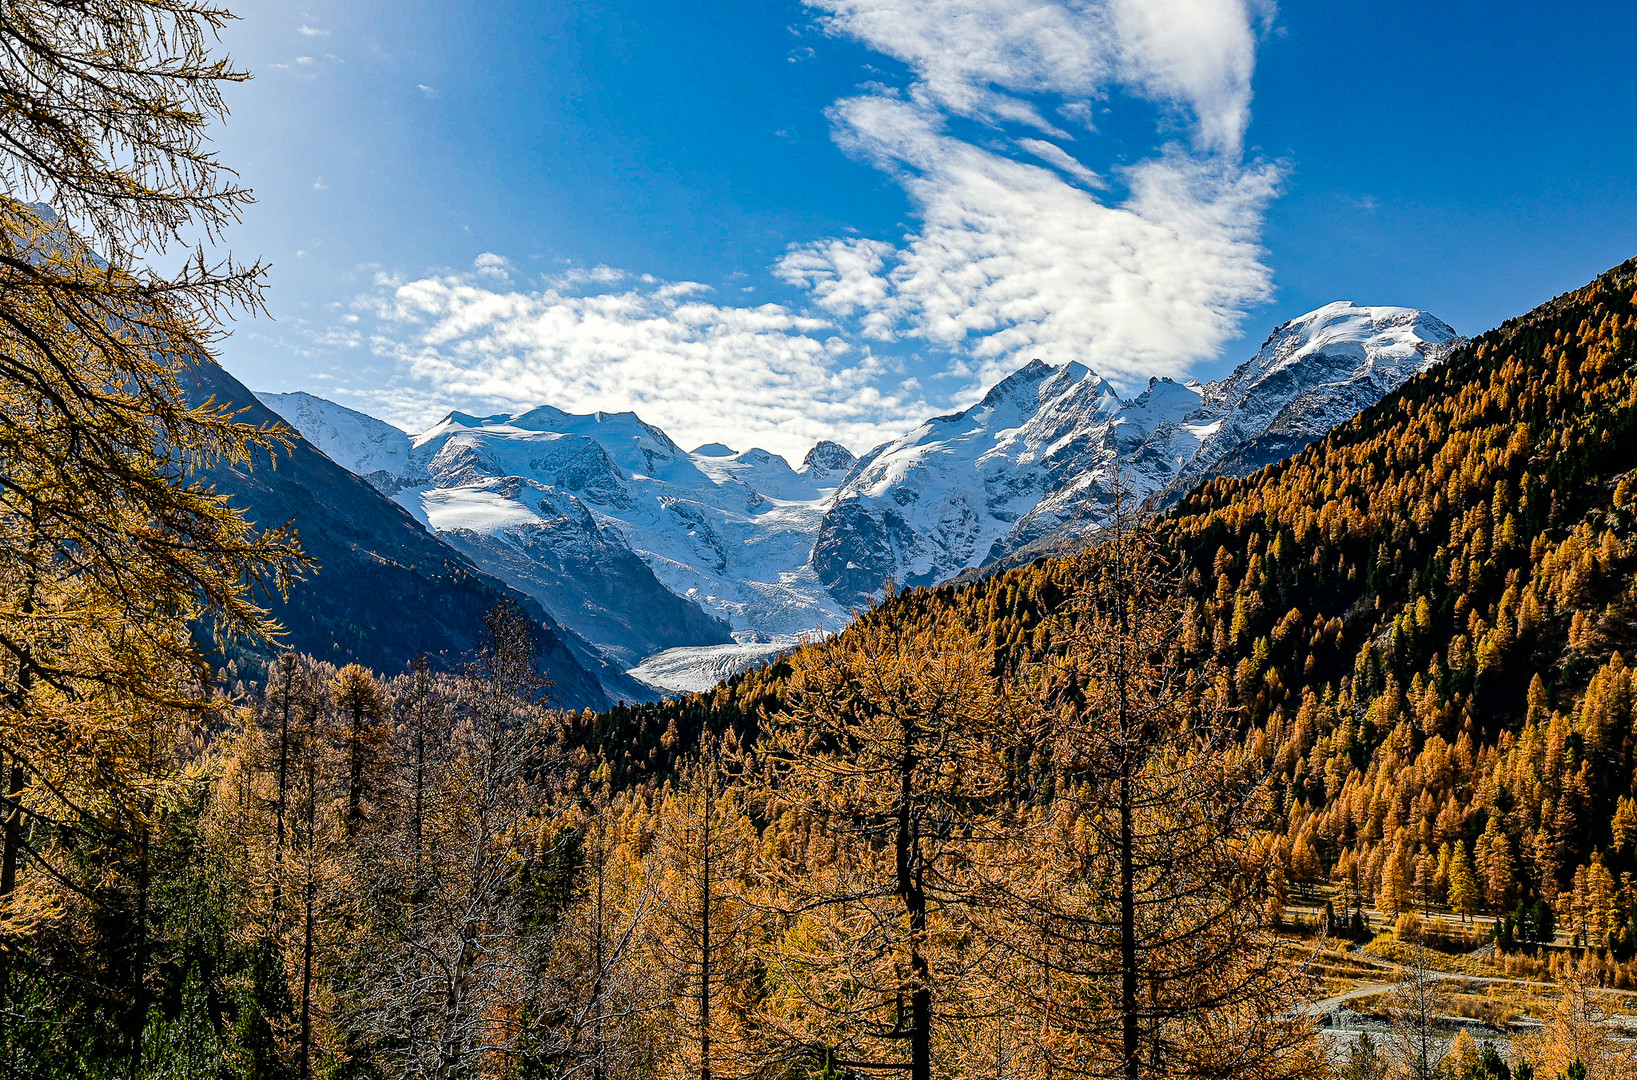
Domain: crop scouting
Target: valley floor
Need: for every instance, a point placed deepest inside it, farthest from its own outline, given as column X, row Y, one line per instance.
column 1473, row 987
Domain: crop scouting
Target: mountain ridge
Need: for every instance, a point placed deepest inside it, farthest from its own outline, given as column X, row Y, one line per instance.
column 376, row 563
column 1311, row 373
column 739, row 548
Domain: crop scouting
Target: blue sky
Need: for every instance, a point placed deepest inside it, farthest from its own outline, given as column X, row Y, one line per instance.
column 769, row 222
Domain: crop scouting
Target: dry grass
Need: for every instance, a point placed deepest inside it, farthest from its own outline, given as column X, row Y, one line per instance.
column 1328, row 965
column 1450, row 943
column 1386, row 947
column 1483, row 1008
column 1375, row 1005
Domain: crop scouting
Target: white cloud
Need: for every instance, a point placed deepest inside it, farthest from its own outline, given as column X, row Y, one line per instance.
column 1053, row 154
column 1012, row 262
column 490, row 265
column 594, row 275
column 965, row 52
column 1197, row 53
column 845, row 277
column 312, row 31
column 702, row 371
column 975, row 57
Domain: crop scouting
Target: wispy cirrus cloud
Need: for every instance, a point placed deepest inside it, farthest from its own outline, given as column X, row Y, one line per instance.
column 978, row 58
column 986, row 59
column 1011, row 259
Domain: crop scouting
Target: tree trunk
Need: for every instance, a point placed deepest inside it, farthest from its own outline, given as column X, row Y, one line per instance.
column 420, row 785
column 1130, row 1032
column 920, row 1045
column 283, row 790
column 452, row 1048
column 305, row 1067
column 139, row 984
column 13, row 833
column 911, row 889
column 305, row 1052
column 8, row 868
column 1130, row 1027
column 705, row 947
column 13, row 842
column 597, row 977
column 355, row 773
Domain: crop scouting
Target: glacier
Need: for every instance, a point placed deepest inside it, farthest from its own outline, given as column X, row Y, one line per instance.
column 687, row 566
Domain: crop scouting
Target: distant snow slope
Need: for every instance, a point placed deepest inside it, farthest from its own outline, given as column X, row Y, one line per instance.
column 728, row 532
column 689, row 566
column 353, row 440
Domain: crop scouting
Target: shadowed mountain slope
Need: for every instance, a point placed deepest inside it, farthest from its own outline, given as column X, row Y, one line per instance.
column 386, row 590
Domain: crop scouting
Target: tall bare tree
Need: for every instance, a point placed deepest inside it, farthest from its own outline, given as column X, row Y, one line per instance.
column 707, row 925
column 887, row 776
column 1418, row 1005
column 460, row 936
column 1139, row 938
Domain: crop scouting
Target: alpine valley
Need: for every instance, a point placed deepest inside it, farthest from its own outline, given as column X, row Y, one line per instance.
column 684, row 567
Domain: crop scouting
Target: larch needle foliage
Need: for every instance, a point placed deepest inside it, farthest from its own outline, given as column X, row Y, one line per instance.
column 1134, row 927
column 894, row 754
column 113, row 564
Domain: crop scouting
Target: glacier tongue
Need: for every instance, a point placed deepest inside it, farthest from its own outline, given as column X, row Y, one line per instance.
column 690, row 566
column 696, row 669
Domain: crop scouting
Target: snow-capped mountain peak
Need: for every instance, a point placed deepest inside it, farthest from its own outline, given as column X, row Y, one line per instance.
column 1370, row 336
column 1038, row 453
column 353, row 440
column 828, row 459
column 648, row 549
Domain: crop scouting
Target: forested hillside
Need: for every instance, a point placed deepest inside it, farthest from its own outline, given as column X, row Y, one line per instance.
column 1429, row 616
column 1425, row 621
